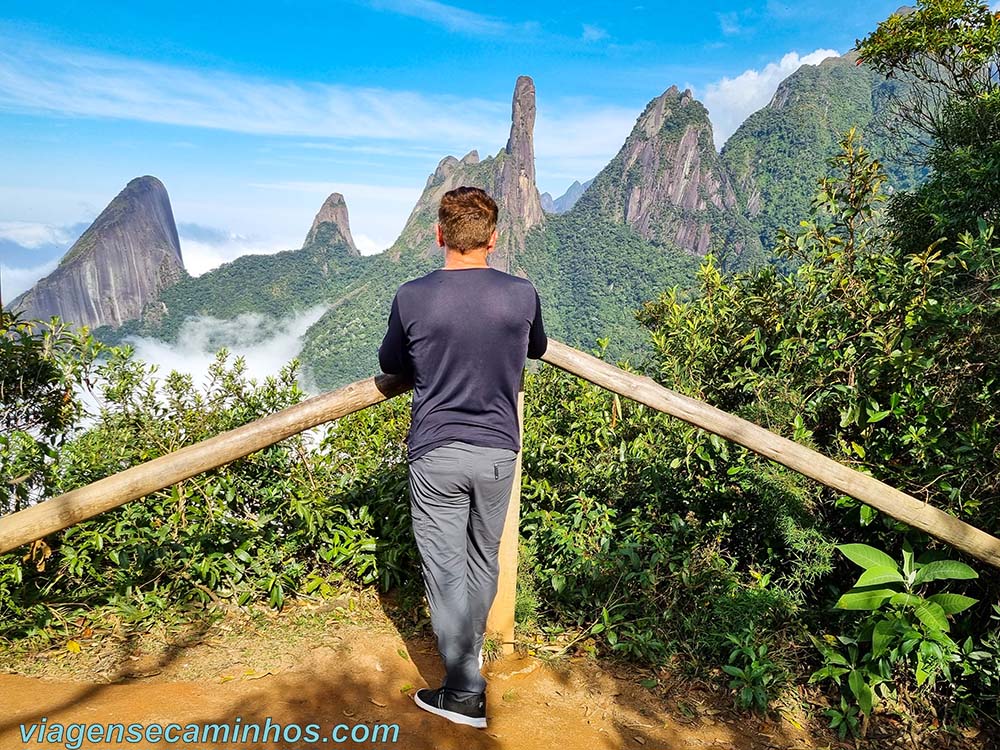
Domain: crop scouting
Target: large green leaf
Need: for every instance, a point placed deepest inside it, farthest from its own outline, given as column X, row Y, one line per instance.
column 881, row 637
column 932, row 615
column 952, row 603
column 878, row 575
column 910, row 600
column 864, row 598
column 866, row 556
column 907, row 559
column 944, row 569
column 862, row 691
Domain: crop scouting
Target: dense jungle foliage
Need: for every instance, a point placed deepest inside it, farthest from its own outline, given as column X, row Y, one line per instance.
column 649, row 539
column 779, row 152
column 275, row 285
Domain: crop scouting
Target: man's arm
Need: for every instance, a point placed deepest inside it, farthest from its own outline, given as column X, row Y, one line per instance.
column 537, row 341
column 392, row 355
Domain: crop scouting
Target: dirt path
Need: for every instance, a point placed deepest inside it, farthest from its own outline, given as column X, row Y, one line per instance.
column 340, row 673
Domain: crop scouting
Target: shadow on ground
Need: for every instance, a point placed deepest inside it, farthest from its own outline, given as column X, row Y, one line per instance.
column 328, row 670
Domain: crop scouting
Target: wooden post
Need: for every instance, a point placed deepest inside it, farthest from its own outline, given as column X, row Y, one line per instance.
column 501, row 618
column 806, row 461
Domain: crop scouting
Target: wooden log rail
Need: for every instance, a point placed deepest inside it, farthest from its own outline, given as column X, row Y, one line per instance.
column 86, row 502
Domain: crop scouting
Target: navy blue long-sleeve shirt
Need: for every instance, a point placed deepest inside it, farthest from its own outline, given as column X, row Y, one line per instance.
column 462, row 336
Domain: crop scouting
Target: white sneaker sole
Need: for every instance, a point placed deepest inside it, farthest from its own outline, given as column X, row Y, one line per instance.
column 451, row 715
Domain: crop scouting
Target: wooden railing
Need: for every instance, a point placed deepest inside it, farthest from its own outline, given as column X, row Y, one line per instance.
column 86, row 502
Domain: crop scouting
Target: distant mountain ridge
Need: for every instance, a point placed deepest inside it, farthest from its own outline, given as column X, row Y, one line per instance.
column 637, row 228
column 567, row 200
column 509, row 177
column 278, row 284
column 332, row 226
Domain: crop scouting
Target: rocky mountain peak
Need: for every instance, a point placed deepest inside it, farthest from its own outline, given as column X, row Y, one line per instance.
column 332, row 224
column 567, row 200
column 657, row 111
column 119, row 264
column 522, row 117
column 667, row 182
column 509, row 177
column 522, row 207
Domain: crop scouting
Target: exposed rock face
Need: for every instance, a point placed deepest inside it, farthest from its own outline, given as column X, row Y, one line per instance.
column 332, row 225
column 509, row 177
column 125, row 258
column 521, row 208
column 667, row 181
column 548, row 204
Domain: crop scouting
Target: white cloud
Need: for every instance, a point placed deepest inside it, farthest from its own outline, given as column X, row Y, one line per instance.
column 14, row 281
column 40, row 78
column 593, row 33
column 731, row 100
column 201, row 255
column 729, row 23
column 450, row 17
column 267, row 345
column 32, row 235
column 366, row 245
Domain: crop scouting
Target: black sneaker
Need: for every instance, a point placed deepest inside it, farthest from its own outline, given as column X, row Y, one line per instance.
column 470, row 711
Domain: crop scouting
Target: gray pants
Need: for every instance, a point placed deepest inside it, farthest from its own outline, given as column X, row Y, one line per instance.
column 458, row 502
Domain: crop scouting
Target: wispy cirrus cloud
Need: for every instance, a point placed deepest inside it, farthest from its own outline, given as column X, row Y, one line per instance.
column 451, row 17
column 40, row 78
column 731, row 23
column 593, row 33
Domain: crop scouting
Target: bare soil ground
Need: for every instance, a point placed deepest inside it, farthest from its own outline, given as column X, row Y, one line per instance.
column 347, row 663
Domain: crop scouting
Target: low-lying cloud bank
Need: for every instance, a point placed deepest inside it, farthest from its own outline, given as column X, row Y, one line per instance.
column 266, row 344
column 205, row 248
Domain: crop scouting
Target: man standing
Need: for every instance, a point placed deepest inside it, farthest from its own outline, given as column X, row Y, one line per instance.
column 461, row 333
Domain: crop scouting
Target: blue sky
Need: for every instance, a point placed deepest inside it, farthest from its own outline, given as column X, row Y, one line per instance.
column 252, row 113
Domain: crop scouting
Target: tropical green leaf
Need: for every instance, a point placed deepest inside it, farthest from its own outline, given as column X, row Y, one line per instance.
column 952, row 604
column 881, row 637
column 866, row 556
column 864, row 598
column 861, row 690
column 878, row 575
column 907, row 559
column 944, row 569
column 906, row 600
column 932, row 615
